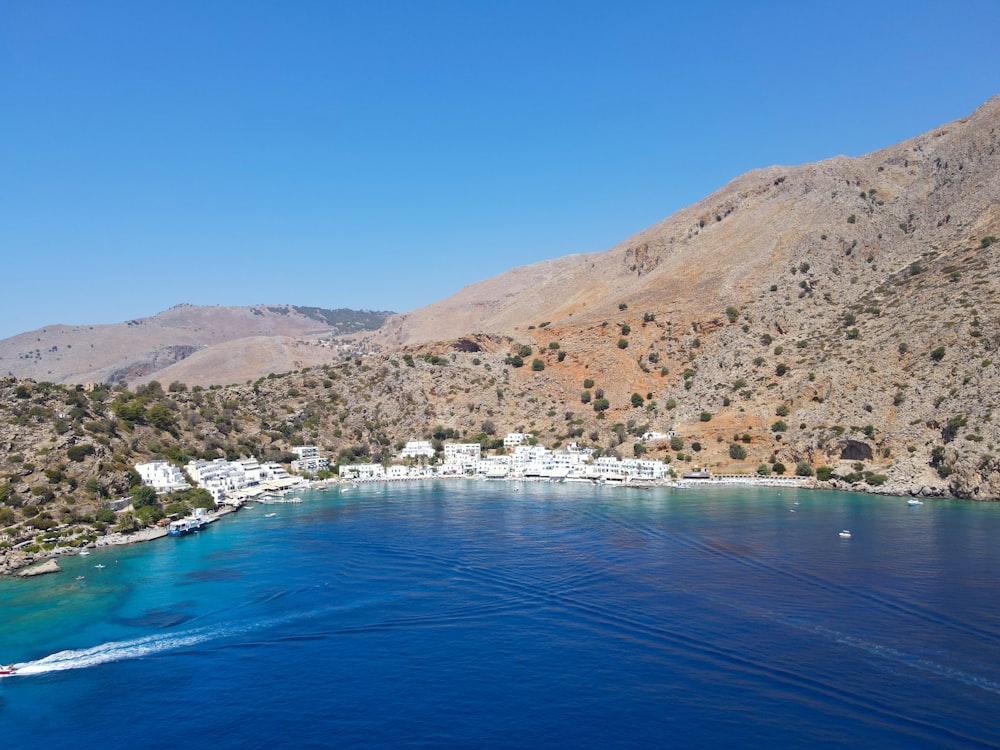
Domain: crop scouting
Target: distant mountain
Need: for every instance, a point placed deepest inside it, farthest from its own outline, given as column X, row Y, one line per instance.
column 256, row 340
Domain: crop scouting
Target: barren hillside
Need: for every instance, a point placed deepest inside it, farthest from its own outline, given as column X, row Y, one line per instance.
column 935, row 192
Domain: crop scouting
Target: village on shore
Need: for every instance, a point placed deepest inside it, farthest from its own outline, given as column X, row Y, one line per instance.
column 235, row 483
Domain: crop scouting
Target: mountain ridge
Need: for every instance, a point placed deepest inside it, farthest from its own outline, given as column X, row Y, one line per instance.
column 735, row 212
column 143, row 348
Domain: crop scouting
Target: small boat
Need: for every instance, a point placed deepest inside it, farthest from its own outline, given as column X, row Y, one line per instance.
column 270, row 515
column 85, row 552
column 79, row 578
column 845, row 534
column 185, row 526
column 99, row 566
column 7, row 671
column 913, row 501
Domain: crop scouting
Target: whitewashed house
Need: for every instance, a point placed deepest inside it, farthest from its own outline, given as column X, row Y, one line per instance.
column 515, row 439
column 162, row 476
column 461, row 458
column 417, row 448
column 309, row 460
column 362, row 472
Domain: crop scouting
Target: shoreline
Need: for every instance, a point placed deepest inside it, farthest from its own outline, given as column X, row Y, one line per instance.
column 14, row 565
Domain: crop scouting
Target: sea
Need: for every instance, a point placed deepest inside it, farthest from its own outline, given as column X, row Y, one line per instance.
column 464, row 614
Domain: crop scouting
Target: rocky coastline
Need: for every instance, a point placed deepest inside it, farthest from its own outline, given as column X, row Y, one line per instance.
column 16, row 562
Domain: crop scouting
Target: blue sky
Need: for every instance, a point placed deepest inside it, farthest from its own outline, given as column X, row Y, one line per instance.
column 382, row 154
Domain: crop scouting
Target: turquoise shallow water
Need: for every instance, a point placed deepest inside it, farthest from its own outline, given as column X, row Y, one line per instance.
column 474, row 614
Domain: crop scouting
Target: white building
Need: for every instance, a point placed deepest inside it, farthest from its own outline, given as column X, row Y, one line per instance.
column 309, row 460
column 652, row 437
column 362, row 472
column 218, row 477
column 462, row 457
column 416, row 448
column 493, row 467
column 514, row 439
column 162, row 476
column 245, row 477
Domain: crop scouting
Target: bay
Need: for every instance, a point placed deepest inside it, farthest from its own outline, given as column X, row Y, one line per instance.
column 479, row 614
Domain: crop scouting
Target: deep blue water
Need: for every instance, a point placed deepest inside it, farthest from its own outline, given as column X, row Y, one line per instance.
column 465, row 614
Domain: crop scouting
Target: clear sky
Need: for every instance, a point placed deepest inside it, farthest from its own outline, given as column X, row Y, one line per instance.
column 381, row 155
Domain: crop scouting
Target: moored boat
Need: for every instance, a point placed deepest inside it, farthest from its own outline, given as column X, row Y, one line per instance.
column 184, row 526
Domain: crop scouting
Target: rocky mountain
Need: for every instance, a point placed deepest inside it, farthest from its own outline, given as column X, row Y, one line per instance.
column 844, row 311
column 866, row 217
column 208, row 345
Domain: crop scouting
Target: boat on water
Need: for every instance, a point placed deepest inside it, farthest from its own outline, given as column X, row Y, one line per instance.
column 914, row 501
column 99, row 566
column 7, row 671
column 845, row 534
column 270, row 515
column 184, row 526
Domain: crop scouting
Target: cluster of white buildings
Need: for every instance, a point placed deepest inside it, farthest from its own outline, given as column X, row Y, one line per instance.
column 227, row 481
column 524, row 459
column 236, row 481
column 163, row 476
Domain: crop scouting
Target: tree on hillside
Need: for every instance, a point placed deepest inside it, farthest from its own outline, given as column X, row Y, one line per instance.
column 143, row 497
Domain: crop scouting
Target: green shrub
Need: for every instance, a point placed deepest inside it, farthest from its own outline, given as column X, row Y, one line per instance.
column 623, row 343
column 79, row 452
column 823, row 473
column 705, row 416
column 937, row 354
column 737, row 452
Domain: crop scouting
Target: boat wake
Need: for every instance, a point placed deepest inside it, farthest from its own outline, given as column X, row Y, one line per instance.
column 151, row 645
column 114, row 651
